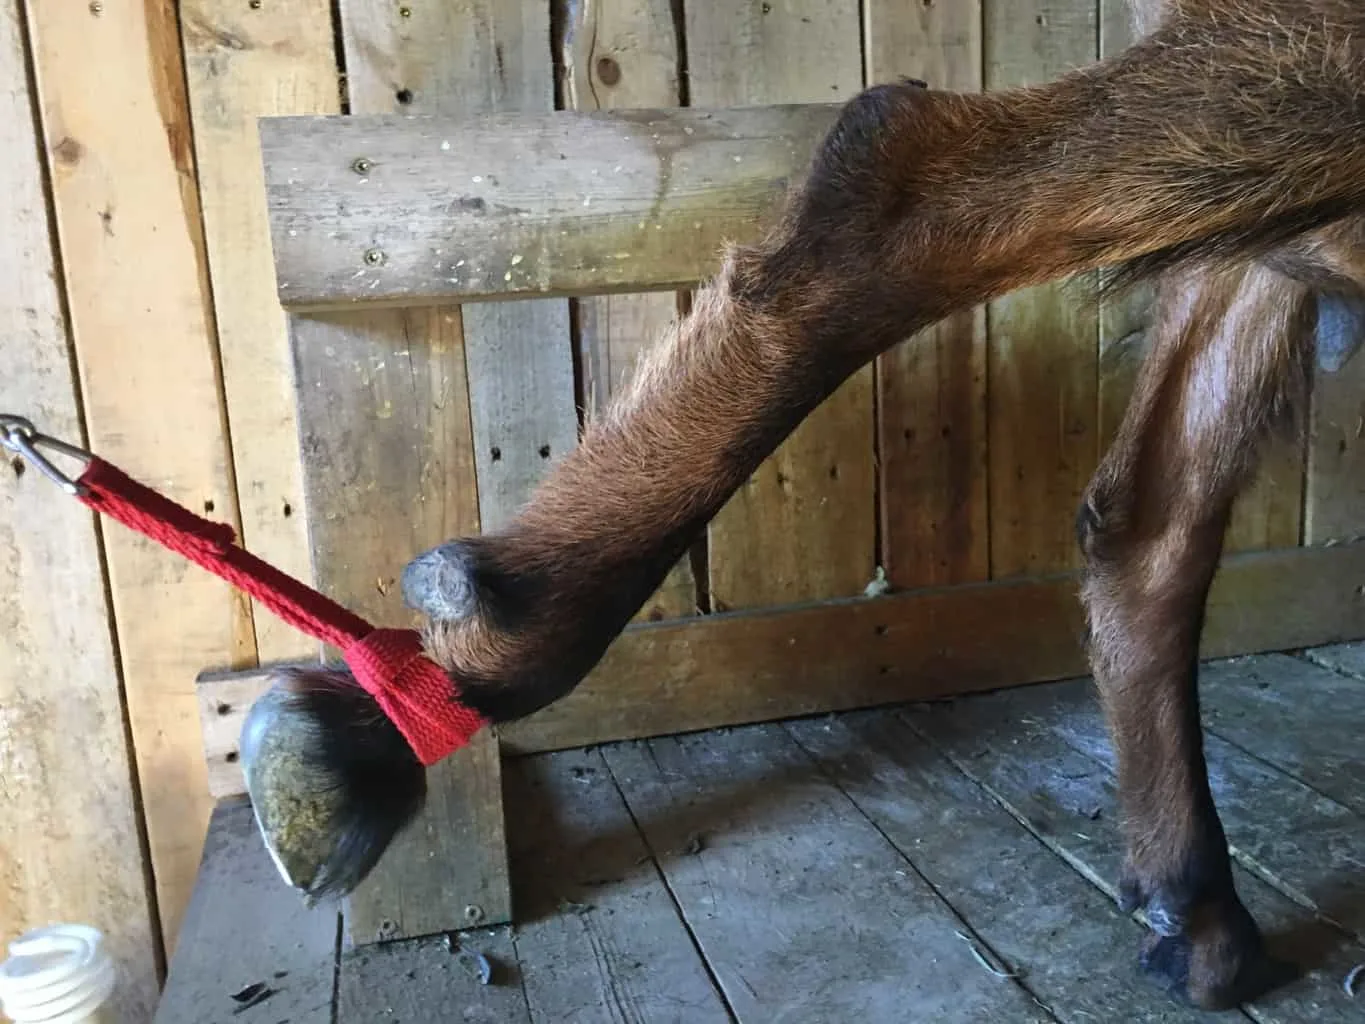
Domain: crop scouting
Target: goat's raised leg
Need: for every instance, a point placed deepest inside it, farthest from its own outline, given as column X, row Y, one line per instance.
column 1230, row 357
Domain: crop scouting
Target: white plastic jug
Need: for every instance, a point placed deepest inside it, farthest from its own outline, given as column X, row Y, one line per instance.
column 61, row 974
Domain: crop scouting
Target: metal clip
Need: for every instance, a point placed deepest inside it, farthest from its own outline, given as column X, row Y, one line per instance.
column 20, row 436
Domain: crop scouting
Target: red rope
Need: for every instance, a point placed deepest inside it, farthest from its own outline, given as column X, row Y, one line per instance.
column 389, row 664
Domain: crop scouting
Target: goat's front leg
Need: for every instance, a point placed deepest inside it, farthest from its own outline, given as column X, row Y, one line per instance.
column 1229, row 359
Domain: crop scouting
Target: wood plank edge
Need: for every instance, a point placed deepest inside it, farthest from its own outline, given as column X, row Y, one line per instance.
column 1246, row 615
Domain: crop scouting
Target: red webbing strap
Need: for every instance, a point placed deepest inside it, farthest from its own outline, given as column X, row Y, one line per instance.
column 390, row 664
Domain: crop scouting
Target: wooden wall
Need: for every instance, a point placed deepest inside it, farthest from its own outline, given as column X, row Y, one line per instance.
column 140, row 317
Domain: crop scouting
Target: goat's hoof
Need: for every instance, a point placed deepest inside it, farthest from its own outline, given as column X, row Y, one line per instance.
column 1218, row 962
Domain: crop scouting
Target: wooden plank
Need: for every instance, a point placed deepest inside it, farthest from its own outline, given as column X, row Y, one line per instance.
column 71, row 846
column 243, row 928
column 1300, row 718
column 1043, row 363
column 753, row 840
column 1349, row 659
column 242, row 62
column 803, row 527
column 601, row 938
column 1064, row 937
column 479, row 206
column 118, row 136
column 931, row 405
column 1008, row 742
column 427, row 980
column 1334, row 504
column 761, row 666
column 1301, row 841
column 386, row 441
column 624, row 53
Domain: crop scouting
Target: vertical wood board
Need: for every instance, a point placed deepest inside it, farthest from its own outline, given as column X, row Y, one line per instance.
column 242, row 62
column 624, row 53
column 931, row 389
column 117, row 133
column 803, row 527
column 385, row 432
column 1043, row 372
column 70, row 840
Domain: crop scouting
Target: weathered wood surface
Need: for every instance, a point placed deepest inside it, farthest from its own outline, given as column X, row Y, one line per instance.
column 123, row 193
column 1316, row 739
column 244, row 61
column 598, row 936
column 1043, row 353
column 624, row 53
column 1065, row 938
column 931, row 405
column 759, row 666
column 803, row 526
column 496, row 213
column 421, row 980
column 753, row 838
column 1348, row 659
column 1016, row 745
column 1302, row 841
column 385, row 421
column 245, row 927
column 70, row 843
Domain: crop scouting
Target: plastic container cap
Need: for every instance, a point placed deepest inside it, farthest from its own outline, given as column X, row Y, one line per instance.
column 61, row 974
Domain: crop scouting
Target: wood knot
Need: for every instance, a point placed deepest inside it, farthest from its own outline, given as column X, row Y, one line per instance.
column 608, row 70
column 68, row 152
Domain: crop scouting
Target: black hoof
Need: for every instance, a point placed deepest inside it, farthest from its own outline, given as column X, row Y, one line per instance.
column 1221, row 963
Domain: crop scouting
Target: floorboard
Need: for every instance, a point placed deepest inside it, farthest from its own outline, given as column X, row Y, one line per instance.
column 1066, row 938
column 948, row 862
column 598, row 936
column 1349, row 659
column 803, row 909
column 1012, row 744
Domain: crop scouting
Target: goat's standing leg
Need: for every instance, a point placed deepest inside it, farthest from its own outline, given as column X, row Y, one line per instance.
column 1229, row 360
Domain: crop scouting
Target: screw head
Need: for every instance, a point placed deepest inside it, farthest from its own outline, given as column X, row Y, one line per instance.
column 374, row 257
column 255, row 5
column 96, row 8
column 405, row 12
column 362, row 165
column 473, row 913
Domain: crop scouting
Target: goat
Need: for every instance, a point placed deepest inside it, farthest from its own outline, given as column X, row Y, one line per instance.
column 1221, row 157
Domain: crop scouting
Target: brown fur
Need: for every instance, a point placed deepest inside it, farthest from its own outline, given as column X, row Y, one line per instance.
column 1223, row 156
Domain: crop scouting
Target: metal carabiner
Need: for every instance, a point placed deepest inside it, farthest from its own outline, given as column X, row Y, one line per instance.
column 21, row 437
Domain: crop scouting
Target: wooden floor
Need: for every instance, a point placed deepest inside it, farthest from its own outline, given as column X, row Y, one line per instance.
column 946, row 862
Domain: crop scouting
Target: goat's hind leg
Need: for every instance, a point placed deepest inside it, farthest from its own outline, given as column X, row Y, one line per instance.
column 1228, row 361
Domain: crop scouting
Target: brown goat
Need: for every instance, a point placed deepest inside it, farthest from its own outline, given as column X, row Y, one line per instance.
column 1223, row 157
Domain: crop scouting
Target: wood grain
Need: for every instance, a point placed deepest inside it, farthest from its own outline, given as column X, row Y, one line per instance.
column 1044, row 441
column 386, row 441
column 1010, row 744
column 753, row 838
column 803, row 527
column 71, row 846
column 242, row 908
column 760, row 666
column 117, row 134
column 1334, row 500
column 600, row 938
column 243, row 62
column 931, row 403
column 1311, row 739
column 1036, row 915
column 624, row 53
column 478, row 206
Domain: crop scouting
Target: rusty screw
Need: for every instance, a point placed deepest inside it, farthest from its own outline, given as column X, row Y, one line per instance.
column 255, row 5
column 405, row 12
column 374, row 257
column 96, row 8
